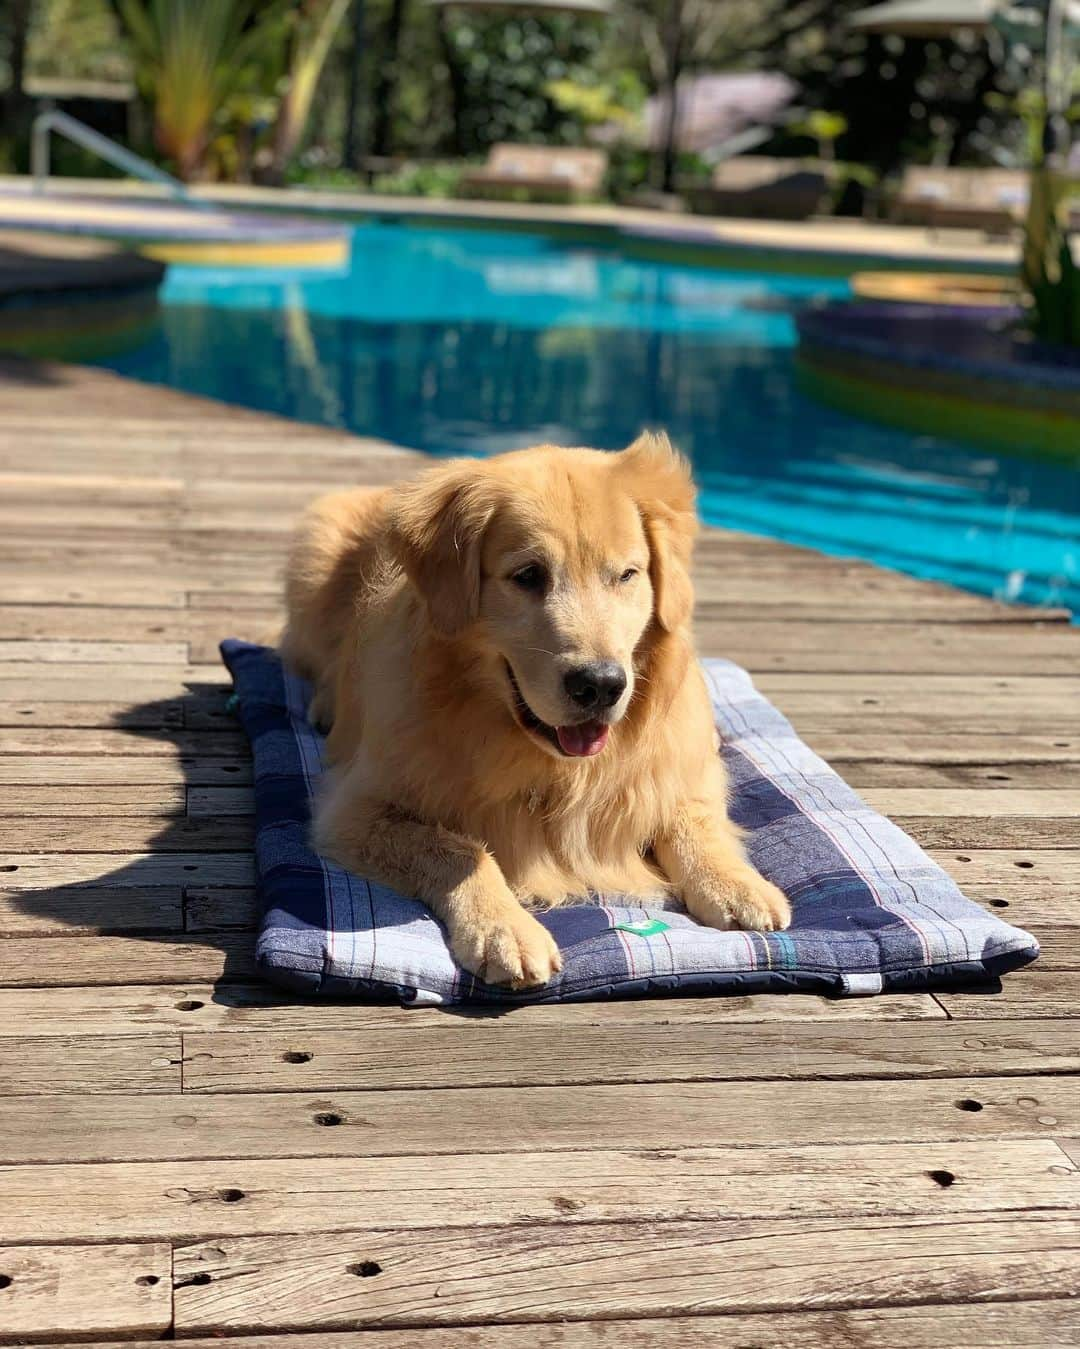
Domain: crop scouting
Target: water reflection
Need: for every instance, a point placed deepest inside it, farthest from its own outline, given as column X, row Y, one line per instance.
column 466, row 342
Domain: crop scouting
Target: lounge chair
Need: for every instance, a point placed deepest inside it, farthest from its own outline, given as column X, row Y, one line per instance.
column 993, row 200
column 538, row 172
column 762, row 186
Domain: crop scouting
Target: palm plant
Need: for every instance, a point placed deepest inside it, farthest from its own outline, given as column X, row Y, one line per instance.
column 1041, row 38
column 1049, row 272
column 190, row 56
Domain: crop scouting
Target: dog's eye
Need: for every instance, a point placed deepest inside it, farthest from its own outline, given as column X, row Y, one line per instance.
column 531, row 577
column 628, row 575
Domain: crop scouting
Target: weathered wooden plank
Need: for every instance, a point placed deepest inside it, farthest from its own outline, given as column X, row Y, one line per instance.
column 973, row 801
column 154, row 518
column 96, row 679
column 597, row 1271
column 43, row 871
column 147, row 1127
column 34, row 962
column 260, row 1007
column 71, row 910
column 1054, row 911
column 128, row 771
column 125, row 743
column 93, row 623
column 817, row 722
column 243, row 594
column 765, row 600
column 94, row 801
column 1059, row 943
column 115, row 673
column 494, row 1053
column 992, row 776
column 28, row 651
column 101, row 588
column 213, row 909
column 1041, row 869
column 902, row 692
column 190, row 1201
column 34, row 1066
column 950, row 744
column 988, row 831
column 128, row 834
column 84, row 1291
column 215, row 802
column 129, row 487
column 891, row 648
column 1026, row 994
column 1014, row 1325
column 148, row 714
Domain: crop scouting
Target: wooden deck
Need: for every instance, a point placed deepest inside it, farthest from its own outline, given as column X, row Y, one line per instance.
column 187, row 1154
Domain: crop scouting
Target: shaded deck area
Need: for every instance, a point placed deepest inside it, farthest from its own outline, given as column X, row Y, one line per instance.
column 185, row 1153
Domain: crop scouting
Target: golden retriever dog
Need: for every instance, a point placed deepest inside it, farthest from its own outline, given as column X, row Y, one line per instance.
column 502, row 651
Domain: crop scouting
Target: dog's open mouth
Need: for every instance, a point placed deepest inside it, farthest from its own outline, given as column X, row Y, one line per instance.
column 580, row 741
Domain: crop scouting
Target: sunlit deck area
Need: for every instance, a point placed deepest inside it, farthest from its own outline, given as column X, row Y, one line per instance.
column 188, row 1154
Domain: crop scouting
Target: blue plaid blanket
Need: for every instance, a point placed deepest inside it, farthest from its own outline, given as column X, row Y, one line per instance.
column 871, row 910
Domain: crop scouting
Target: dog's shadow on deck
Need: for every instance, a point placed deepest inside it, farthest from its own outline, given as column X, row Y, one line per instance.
column 178, row 905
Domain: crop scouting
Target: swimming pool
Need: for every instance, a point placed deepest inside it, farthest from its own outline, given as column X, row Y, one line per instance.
column 472, row 341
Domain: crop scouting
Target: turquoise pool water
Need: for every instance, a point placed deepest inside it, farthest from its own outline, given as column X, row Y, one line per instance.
column 465, row 341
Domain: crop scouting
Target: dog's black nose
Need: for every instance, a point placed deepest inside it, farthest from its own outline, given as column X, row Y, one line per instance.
column 598, row 685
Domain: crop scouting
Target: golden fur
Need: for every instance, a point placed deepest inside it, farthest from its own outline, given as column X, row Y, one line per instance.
column 407, row 610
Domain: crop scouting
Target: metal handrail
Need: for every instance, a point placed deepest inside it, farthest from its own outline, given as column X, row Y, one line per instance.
column 116, row 155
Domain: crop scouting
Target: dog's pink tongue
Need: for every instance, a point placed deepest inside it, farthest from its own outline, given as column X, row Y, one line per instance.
column 589, row 737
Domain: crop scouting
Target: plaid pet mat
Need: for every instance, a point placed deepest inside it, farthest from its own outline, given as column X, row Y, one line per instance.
column 871, row 910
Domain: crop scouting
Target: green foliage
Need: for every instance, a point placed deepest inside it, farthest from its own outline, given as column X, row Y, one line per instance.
column 191, row 56
column 419, row 180
column 77, row 39
column 628, row 170
column 615, row 100
column 1049, row 271
column 507, row 64
column 510, row 75
column 1055, row 300
column 824, row 127
column 1047, row 54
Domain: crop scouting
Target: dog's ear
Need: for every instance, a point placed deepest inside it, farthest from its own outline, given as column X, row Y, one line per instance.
column 659, row 480
column 437, row 526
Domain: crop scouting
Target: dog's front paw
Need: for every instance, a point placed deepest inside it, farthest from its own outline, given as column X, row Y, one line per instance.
column 744, row 900
column 510, row 947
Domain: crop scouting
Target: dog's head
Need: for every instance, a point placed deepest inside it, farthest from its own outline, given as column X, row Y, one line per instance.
column 555, row 564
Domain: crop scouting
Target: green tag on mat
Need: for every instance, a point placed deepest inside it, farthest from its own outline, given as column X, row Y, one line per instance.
column 232, row 703
column 648, row 927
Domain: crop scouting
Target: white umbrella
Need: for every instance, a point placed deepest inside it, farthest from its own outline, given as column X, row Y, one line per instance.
column 924, row 18
column 945, row 18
